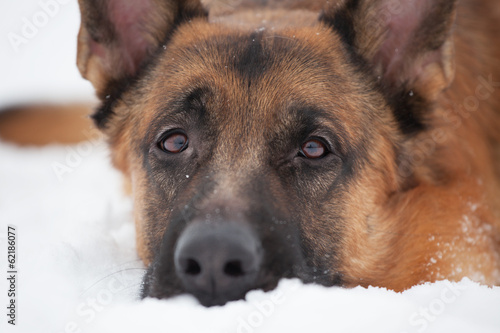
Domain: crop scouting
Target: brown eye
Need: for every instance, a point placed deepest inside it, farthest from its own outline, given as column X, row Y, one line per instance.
column 174, row 143
column 313, row 149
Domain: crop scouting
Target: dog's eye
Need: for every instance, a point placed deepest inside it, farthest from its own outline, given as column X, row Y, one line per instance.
column 174, row 143
column 313, row 149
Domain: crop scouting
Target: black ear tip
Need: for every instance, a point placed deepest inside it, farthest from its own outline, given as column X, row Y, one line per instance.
column 102, row 115
column 109, row 98
column 410, row 109
column 104, row 111
column 340, row 18
column 197, row 11
column 323, row 16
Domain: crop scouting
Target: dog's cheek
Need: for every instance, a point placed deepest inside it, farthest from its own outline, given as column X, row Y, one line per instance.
column 315, row 211
column 120, row 156
column 142, row 242
column 151, row 209
column 159, row 195
column 132, row 173
column 321, row 227
column 366, row 237
column 144, row 234
column 344, row 214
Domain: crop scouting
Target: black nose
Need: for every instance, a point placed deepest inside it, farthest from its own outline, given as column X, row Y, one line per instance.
column 218, row 263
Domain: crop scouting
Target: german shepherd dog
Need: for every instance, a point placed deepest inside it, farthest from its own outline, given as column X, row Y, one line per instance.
column 352, row 142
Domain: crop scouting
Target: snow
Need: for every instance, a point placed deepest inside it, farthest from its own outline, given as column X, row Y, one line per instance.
column 78, row 268
column 79, row 271
column 42, row 67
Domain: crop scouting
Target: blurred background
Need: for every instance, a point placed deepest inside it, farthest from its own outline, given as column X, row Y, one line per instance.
column 38, row 53
column 76, row 228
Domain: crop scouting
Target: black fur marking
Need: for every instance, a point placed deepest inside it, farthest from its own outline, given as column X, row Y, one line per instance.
column 97, row 22
column 109, row 100
column 196, row 100
column 309, row 119
column 115, row 89
column 409, row 109
column 250, row 63
column 184, row 15
column 188, row 107
column 102, row 31
column 342, row 21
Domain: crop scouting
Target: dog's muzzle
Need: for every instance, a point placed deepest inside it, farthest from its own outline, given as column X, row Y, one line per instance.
column 218, row 262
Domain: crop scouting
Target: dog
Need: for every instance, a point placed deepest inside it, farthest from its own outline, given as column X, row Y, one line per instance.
column 344, row 143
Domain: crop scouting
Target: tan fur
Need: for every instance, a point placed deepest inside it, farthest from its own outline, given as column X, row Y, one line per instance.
column 419, row 227
column 425, row 209
column 40, row 125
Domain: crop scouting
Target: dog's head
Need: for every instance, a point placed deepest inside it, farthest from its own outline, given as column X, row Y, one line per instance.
column 257, row 152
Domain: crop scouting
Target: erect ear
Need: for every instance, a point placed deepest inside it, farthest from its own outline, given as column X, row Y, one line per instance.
column 117, row 37
column 407, row 44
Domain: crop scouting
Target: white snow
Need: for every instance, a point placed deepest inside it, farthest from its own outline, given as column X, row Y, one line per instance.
column 79, row 272
column 78, row 268
column 38, row 64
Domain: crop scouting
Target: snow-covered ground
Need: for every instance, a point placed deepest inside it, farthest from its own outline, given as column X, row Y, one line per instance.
column 77, row 266
column 78, row 270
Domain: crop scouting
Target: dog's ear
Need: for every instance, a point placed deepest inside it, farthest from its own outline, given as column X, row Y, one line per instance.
column 118, row 36
column 406, row 44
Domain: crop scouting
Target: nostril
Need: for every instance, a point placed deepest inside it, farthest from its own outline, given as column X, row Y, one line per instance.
column 192, row 267
column 233, row 268
column 217, row 262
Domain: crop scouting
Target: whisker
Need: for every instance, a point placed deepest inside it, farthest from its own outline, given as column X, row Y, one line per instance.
column 109, row 275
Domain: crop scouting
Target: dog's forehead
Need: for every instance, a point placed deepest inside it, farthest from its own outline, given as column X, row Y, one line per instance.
column 261, row 82
column 213, row 51
column 274, row 69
